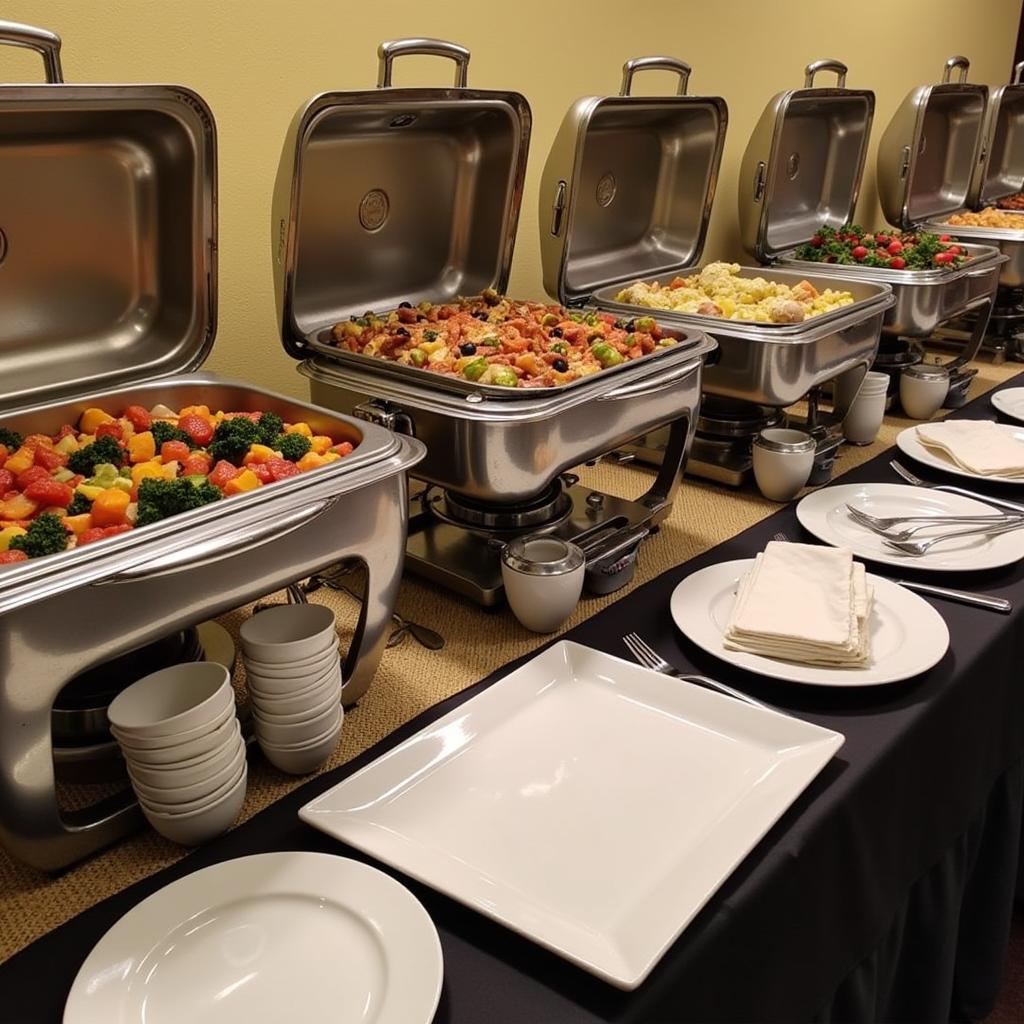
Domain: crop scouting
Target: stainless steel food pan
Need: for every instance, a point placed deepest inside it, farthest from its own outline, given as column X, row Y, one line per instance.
column 777, row 364
column 61, row 615
column 1009, row 242
column 923, row 299
column 503, row 451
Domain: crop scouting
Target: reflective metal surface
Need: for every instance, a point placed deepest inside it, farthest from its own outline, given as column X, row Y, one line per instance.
column 390, row 195
column 628, row 185
column 1010, row 243
column 1000, row 171
column 503, row 451
column 777, row 364
column 803, row 164
column 927, row 155
column 153, row 581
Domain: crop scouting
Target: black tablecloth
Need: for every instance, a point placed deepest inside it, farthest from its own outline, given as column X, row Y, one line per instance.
column 883, row 893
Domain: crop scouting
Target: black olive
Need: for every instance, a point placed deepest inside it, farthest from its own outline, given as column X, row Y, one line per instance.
column 402, row 332
column 560, row 365
column 467, row 348
column 620, row 324
column 556, row 332
column 480, row 315
column 405, row 305
column 630, row 326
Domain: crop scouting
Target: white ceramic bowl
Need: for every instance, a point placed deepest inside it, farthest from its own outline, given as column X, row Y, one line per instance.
column 297, row 733
column 293, row 665
column 201, row 789
column 317, row 704
column 134, row 741
column 173, row 701
column 289, row 633
column 171, row 776
column 200, row 826
column 305, row 759
column 191, row 806
column 296, row 678
column 289, row 702
column 180, row 753
column 272, row 688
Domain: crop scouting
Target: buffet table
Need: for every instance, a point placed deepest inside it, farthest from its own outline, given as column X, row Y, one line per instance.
column 884, row 893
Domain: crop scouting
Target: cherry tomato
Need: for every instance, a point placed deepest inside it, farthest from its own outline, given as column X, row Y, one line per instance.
column 281, row 469
column 222, row 473
column 197, row 428
column 955, row 250
column 6, row 480
column 894, row 248
column 95, row 533
column 945, row 238
column 174, row 451
column 49, row 459
column 345, row 448
column 139, row 418
column 30, row 474
column 897, row 263
column 197, row 464
column 943, row 257
column 112, row 429
column 66, row 430
column 50, row 492
column 883, row 239
column 859, row 252
column 10, row 557
column 817, row 241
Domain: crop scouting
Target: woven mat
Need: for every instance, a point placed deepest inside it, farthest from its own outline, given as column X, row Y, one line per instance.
column 412, row 679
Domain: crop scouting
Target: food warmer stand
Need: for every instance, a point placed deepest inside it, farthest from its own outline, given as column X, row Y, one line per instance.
column 785, row 198
column 398, row 194
column 595, row 249
column 108, row 292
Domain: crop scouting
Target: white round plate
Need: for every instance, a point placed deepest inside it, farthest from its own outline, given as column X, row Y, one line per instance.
column 823, row 514
column 907, row 442
column 908, row 636
column 276, row 937
column 1010, row 402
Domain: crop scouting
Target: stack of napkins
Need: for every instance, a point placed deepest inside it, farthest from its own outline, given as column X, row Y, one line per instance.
column 803, row 603
column 979, row 446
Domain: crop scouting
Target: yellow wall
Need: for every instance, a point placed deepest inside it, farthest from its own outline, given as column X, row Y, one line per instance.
column 256, row 61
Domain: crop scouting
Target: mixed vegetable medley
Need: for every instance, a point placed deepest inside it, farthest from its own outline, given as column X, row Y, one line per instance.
column 493, row 340
column 113, row 474
column 888, row 250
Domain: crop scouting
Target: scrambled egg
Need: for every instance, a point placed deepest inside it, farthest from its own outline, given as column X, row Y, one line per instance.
column 988, row 218
column 718, row 290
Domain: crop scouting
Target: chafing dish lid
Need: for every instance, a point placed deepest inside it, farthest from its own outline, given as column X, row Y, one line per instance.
column 1000, row 167
column 392, row 194
column 107, row 232
column 803, row 164
column 927, row 155
column 627, row 189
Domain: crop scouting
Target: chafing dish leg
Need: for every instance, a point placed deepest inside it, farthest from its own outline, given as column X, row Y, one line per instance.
column 666, row 484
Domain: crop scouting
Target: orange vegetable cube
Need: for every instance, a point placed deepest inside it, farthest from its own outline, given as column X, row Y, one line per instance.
column 259, row 453
column 311, row 460
column 78, row 524
column 92, row 418
column 109, row 507
column 24, row 458
column 18, row 507
column 144, row 469
column 247, row 480
column 142, row 447
column 322, row 443
column 299, row 428
column 8, row 533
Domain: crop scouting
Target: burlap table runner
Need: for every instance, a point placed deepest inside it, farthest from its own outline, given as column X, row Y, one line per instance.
column 412, row 679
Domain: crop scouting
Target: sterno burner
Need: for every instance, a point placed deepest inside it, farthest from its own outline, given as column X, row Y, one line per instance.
column 549, row 508
column 723, row 419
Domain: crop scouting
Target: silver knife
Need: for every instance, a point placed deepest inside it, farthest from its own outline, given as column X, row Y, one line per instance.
column 995, row 604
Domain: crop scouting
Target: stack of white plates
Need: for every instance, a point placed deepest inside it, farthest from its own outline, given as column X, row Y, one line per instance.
column 294, row 675
column 184, row 749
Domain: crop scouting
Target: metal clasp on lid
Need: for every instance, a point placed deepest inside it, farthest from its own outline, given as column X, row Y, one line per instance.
column 956, row 62
column 825, row 65
column 387, row 52
column 1018, row 70
column 631, row 67
column 45, row 43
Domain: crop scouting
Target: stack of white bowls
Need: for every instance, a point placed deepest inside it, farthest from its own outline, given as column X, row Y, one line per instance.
column 864, row 418
column 184, row 749
column 294, row 675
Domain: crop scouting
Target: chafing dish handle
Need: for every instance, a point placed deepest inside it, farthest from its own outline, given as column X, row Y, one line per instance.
column 217, row 548
column 984, row 306
column 631, row 67
column 961, row 63
column 1017, row 72
column 825, row 65
column 648, row 387
column 387, row 52
column 46, row 44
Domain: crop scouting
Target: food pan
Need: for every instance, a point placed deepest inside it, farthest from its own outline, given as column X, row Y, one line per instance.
column 1000, row 169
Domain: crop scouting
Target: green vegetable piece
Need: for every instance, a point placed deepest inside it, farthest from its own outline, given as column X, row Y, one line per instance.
column 504, row 377
column 550, row 320
column 292, row 446
column 490, row 340
column 429, row 335
column 63, row 475
column 644, row 323
column 607, row 356
column 560, row 347
column 104, row 450
column 269, row 426
column 45, row 536
column 164, row 431
column 160, row 499
column 233, row 438
column 475, row 369
column 80, row 504
column 417, row 357
column 10, row 439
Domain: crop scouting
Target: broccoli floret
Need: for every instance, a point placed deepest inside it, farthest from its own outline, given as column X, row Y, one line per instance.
column 45, row 536
column 269, row 426
column 164, row 431
column 10, row 439
column 106, row 449
column 159, row 499
column 80, row 504
column 233, row 438
column 292, row 446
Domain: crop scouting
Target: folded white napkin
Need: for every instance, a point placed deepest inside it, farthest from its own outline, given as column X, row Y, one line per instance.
column 979, row 446
column 803, row 603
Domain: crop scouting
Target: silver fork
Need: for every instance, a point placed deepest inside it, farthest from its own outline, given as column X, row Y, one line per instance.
column 980, row 523
column 888, row 522
column 649, row 658
column 920, row 547
column 916, row 481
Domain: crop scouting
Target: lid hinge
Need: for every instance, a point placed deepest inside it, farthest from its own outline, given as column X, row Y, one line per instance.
column 558, row 208
column 759, row 179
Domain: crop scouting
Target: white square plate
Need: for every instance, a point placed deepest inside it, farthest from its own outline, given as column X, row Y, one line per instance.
column 583, row 801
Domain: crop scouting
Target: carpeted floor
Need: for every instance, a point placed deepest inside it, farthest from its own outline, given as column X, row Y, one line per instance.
column 1010, row 1008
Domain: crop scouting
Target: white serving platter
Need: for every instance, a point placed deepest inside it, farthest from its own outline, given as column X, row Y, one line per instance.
column 1010, row 402
column 585, row 802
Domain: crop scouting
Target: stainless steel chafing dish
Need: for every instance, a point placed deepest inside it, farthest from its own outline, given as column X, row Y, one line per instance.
column 108, row 293
column 803, row 167
column 999, row 172
column 409, row 194
column 656, row 229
